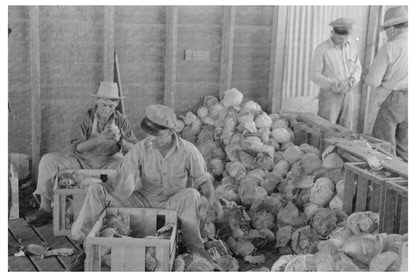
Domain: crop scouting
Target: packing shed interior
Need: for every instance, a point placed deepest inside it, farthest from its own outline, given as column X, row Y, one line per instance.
column 174, row 55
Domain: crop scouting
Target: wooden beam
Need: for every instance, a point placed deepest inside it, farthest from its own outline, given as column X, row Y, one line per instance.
column 170, row 58
column 277, row 58
column 371, row 48
column 108, row 43
column 227, row 47
column 35, row 85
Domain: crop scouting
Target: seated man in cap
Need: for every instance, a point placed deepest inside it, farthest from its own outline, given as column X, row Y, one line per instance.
column 96, row 140
column 336, row 69
column 154, row 175
column 389, row 71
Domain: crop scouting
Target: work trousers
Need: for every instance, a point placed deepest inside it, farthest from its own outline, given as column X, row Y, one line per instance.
column 186, row 202
column 53, row 162
column 331, row 106
column 391, row 123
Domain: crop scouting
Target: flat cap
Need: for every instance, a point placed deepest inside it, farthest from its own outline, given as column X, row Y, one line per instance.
column 158, row 117
column 342, row 25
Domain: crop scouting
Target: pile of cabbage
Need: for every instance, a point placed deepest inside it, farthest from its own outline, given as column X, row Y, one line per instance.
column 354, row 245
column 272, row 191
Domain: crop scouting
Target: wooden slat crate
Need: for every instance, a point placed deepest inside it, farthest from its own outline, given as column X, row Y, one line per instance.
column 61, row 198
column 366, row 190
column 128, row 253
column 356, row 150
column 313, row 129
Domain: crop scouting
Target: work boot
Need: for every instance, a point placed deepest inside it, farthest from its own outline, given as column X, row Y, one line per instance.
column 41, row 217
column 77, row 264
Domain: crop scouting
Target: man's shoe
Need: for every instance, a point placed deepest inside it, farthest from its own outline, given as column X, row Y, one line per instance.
column 77, row 264
column 41, row 217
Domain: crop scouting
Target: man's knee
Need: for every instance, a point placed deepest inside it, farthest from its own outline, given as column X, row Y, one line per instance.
column 49, row 159
column 190, row 194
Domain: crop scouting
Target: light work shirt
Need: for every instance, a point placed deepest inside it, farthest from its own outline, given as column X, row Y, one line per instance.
column 83, row 129
column 144, row 169
column 389, row 68
column 333, row 63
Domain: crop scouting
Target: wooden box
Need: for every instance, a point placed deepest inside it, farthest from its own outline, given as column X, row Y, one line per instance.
column 394, row 214
column 312, row 129
column 367, row 190
column 128, row 253
column 63, row 196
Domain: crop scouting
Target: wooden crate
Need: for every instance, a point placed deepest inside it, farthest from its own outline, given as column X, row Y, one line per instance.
column 312, row 129
column 128, row 254
column 61, row 197
column 366, row 190
column 394, row 215
column 356, row 151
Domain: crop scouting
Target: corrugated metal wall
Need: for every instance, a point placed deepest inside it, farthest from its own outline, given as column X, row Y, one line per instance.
column 307, row 27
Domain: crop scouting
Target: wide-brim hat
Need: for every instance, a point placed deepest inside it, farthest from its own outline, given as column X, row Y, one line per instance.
column 108, row 90
column 394, row 16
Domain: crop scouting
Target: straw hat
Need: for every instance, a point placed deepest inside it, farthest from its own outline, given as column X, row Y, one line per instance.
column 108, row 90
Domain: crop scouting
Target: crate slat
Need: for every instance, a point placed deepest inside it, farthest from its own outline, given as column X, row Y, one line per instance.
column 361, row 199
column 349, row 191
column 162, row 256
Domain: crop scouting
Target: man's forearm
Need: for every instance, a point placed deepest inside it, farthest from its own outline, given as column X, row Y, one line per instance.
column 207, row 190
column 87, row 145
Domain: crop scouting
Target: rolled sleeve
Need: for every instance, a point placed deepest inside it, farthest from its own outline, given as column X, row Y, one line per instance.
column 377, row 69
column 124, row 125
column 81, row 129
column 197, row 167
column 128, row 177
column 317, row 68
column 356, row 71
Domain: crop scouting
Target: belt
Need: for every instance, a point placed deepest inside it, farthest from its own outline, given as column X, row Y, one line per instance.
column 400, row 90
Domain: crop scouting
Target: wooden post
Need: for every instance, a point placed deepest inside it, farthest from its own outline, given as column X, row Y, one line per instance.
column 170, row 60
column 35, row 85
column 108, row 43
column 277, row 59
column 227, row 47
column 371, row 48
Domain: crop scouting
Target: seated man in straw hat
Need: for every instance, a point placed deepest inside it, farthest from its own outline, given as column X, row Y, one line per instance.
column 97, row 139
column 154, row 174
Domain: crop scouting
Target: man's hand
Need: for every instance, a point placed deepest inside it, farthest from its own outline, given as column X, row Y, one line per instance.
column 216, row 206
column 207, row 189
column 351, row 82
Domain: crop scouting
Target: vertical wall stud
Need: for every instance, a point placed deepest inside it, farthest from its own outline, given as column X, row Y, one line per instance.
column 35, row 85
column 170, row 58
column 108, row 43
column 371, row 47
column 227, row 47
column 277, row 61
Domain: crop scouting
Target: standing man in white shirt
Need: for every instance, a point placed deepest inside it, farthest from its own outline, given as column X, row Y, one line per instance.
column 389, row 71
column 336, row 69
